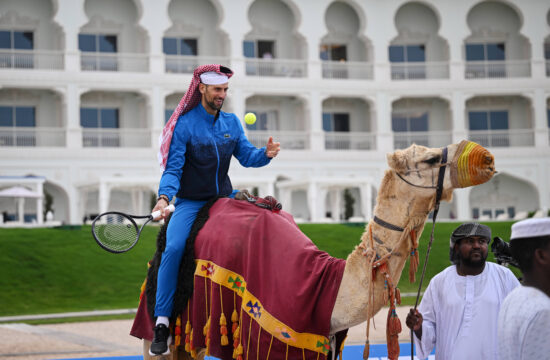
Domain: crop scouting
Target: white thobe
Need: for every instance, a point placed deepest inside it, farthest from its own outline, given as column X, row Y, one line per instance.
column 461, row 313
column 524, row 325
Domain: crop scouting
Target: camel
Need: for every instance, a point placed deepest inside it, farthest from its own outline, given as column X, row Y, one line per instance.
column 406, row 196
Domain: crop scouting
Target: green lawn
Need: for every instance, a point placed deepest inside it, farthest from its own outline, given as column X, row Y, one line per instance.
column 62, row 270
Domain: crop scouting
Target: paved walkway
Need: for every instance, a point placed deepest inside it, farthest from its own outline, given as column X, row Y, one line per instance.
column 95, row 339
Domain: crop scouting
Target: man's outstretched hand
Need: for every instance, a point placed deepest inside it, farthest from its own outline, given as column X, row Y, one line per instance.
column 272, row 148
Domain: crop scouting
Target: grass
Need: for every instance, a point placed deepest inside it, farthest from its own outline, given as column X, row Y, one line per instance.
column 63, row 270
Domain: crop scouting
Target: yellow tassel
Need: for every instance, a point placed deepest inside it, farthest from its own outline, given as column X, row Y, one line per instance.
column 224, row 340
column 206, row 327
column 240, row 350
column 187, row 327
column 223, row 320
column 234, row 316
column 193, row 352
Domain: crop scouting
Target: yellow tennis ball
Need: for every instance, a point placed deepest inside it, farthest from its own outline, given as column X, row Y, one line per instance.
column 250, row 118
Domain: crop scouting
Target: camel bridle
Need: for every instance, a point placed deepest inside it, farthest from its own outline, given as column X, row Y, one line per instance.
column 438, row 193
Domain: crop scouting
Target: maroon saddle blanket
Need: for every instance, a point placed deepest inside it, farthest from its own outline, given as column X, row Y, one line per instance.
column 275, row 288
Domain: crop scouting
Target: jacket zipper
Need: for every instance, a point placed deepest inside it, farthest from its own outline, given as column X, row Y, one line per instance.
column 217, row 156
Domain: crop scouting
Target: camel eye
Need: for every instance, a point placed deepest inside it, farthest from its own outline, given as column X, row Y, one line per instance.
column 433, row 160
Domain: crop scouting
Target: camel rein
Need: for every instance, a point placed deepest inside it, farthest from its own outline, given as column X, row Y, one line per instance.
column 439, row 192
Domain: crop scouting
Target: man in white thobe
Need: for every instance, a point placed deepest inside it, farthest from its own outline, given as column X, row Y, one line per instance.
column 459, row 310
column 524, row 319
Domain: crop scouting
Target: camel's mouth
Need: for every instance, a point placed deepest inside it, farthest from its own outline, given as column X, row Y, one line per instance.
column 471, row 165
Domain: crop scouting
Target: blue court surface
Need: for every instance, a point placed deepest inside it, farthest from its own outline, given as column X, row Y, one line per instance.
column 351, row 352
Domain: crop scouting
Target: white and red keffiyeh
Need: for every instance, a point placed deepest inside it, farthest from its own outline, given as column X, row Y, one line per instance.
column 191, row 99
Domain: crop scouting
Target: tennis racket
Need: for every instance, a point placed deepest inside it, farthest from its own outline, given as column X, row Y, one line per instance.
column 117, row 232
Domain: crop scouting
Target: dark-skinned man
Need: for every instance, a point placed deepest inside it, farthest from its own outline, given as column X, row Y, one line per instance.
column 459, row 310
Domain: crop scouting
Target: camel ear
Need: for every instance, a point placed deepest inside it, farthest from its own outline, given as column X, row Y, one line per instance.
column 397, row 160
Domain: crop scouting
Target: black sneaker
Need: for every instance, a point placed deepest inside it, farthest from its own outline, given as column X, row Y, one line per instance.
column 161, row 341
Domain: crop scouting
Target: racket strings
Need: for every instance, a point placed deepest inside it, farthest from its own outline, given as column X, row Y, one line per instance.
column 115, row 231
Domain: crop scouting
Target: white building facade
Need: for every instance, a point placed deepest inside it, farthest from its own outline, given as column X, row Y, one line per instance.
column 87, row 85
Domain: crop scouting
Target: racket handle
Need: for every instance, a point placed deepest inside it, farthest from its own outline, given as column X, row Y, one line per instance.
column 156, row 214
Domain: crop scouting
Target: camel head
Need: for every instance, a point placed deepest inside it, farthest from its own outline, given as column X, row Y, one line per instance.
column 416, row 168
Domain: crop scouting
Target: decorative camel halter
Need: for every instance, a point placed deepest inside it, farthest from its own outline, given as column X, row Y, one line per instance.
column 463, row 173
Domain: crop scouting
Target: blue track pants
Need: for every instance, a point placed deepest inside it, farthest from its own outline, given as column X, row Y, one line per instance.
column 176, row 236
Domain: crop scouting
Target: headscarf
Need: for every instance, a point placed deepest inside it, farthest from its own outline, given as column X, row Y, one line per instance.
column 465, row 230
column 191, row 99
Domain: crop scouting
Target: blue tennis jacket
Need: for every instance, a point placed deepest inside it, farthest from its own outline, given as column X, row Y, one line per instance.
column 200, row 154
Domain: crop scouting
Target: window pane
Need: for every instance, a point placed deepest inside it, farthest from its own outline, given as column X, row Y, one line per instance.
column 478, row 120
column 266, row 49
column 23, row 40
column 327, row 122
column 419, row 123
column 416, row 53
column 189, row 47
column 548, row 117
column 107, row 43
column 495, row 52
column 341, row 122
column 475, row 52
column 170, row 46
column 24, row 116
column 262, row 121
column 399, row 123
column 5, row 39
column 499, row 120
column 248, row 49
column 89, row 118
column 547, row 51
column 86, row 42
column 397, row 53
column 339, row 53
column 6, row 116
column 109, row 118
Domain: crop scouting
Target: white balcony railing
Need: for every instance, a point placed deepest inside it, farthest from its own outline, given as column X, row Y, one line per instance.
column 350, row 141
column 32, row 136
column 347, row 70
column 503, row 138
column 139, row 138
column 402, row 140
column 276, row 67
column 291, row 140
column 126, row 62
column 187, row 64
column 31, row 59
column 420, row 70
column 497, row 69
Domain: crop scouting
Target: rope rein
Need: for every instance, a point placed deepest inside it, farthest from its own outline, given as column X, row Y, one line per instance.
column 375, row 262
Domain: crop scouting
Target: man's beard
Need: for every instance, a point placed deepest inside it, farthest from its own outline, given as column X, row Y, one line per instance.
column 213, row 105
column 473, row 263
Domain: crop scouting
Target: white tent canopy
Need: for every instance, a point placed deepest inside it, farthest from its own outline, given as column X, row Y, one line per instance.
column 19, row 192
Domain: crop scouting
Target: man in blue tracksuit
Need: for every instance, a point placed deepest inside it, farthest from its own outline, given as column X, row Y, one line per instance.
column 203, row 141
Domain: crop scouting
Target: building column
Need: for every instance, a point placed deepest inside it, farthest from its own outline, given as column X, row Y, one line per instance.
column 156, row 101
column 384, row 135
column 462, row 197
column 317, row 135
column 285, row 195
column 313, row 32
column 312, row 194
column 458, row 116
column 366, row 200
column 72, row 112
column 71, row 17
column 540, row 120
column 104, row 196
column 40, row 204
column 455, row 29
column 236, row 25
column 155, row 20
column 335, row 203
column 238, row 103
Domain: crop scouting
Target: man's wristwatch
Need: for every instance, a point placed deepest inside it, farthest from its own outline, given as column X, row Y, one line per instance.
column 164, row 197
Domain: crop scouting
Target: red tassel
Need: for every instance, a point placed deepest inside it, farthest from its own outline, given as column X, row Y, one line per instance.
column 366, row 351
column 393, row 328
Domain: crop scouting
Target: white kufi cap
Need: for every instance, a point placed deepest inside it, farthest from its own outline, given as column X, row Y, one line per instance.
column 213, row 78
column 531, row 228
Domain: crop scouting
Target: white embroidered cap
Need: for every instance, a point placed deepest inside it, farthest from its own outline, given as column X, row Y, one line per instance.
column 213, row 78
column 531, row 228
